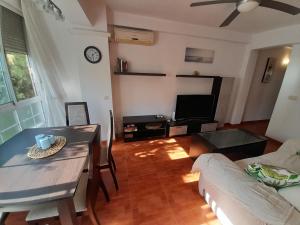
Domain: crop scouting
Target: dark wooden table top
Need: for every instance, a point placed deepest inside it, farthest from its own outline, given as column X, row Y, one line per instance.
column 28, row 181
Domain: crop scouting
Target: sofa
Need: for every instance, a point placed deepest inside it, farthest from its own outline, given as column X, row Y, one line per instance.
column 237, row 198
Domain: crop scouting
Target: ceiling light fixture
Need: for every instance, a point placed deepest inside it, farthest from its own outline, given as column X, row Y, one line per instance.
column 247, row 5
column 50, row 7
column 286, row 61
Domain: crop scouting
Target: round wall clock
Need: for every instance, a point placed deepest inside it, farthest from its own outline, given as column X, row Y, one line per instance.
column 92, row 54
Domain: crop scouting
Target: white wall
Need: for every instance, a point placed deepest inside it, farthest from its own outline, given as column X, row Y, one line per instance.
column 14, row 5
column 84, row 81
column 285, row 122
column 95, row 79
column 262, row 96
column 134, row 95
column 278, row 37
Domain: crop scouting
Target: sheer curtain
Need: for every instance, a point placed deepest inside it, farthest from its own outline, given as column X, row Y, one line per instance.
column 46, row 65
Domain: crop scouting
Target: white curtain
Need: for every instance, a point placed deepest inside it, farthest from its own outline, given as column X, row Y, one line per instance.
column 47, row 67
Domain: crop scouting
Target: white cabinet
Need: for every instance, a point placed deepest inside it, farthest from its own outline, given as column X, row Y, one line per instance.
column 178, row 130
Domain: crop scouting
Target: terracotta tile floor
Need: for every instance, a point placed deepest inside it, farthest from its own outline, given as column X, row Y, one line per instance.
column 156, row 186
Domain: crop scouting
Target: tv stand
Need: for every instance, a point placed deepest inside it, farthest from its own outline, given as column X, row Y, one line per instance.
column 191, row 126
column 137, row 128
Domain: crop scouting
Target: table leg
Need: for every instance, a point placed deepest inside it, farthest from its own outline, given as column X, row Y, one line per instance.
column 67, row 214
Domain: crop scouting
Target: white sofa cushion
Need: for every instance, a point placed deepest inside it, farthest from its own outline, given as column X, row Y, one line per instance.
column 292, row 195
column 262, row 201
column 285, row 157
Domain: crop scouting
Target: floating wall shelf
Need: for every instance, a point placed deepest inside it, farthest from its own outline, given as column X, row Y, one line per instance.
column 140, row 74
column 197, row 76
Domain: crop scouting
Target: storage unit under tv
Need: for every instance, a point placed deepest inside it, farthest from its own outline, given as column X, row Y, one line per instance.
column 137, row 128
column 191, row 126
column 196, row 113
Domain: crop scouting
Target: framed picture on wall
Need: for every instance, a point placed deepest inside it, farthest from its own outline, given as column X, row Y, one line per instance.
column 267, row 77
column 197, row 55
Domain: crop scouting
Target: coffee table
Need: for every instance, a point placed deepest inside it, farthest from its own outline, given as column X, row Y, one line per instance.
column 234, row 143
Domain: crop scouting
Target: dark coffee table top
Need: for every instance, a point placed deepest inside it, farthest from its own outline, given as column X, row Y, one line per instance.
column 231, row 138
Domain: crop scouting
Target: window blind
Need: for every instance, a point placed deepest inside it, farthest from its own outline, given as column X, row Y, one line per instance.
column 12, row 30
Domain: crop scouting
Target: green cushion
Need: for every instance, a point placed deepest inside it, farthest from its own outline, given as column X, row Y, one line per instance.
column 273, row 176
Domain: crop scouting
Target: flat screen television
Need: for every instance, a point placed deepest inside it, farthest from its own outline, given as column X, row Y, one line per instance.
column 194, row 106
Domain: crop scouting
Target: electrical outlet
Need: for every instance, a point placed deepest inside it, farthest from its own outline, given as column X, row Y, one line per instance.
column 293, row 98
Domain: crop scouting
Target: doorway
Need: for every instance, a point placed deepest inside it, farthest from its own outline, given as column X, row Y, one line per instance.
column 266, row 83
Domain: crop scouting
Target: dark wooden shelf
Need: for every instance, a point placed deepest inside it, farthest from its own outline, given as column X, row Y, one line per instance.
column 140, row 74
column 197, row 76
column 141, row 122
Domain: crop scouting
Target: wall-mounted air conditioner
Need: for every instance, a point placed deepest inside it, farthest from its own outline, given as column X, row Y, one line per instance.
column 133, row 36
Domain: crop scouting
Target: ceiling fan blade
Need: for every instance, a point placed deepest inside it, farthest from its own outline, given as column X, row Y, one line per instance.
column 212, row 2
column 280, row 6
column 230, row 18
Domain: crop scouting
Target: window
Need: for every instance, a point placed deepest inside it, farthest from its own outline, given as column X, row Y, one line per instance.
column 4, row 96
column 20, row 75
column 20, row 106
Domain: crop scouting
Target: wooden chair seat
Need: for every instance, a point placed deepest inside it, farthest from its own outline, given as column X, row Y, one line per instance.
column 50, row 210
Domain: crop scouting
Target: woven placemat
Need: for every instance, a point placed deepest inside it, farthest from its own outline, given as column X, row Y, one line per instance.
column 37, row 153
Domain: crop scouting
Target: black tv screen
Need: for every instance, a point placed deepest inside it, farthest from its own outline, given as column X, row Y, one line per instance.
column 194, row 106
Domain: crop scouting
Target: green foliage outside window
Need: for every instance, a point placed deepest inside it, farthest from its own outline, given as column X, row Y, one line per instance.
column 4, row 96
column 20, row 75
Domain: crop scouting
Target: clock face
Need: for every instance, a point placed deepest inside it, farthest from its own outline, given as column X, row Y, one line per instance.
column 92, row 54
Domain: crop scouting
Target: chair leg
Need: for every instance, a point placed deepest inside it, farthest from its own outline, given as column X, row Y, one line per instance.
column 92, row 191
column 3, row 218
column 102, row 186
column 93, row 217
column 114, row 164
column 114, row 177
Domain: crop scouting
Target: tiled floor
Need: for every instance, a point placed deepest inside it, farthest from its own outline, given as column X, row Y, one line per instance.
column 156, row 186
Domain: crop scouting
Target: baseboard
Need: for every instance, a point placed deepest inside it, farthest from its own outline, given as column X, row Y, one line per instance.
column 247, row 122
column 275, row 141
column 255, row 121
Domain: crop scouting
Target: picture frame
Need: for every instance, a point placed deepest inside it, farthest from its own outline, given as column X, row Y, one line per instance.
column 269, row 69
column 197, row 55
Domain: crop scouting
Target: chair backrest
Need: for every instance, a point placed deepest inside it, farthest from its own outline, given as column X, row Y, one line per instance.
column 77, row 113
column 110, row 133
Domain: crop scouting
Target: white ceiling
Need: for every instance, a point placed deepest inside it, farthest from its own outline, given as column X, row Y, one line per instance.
column 258, row 20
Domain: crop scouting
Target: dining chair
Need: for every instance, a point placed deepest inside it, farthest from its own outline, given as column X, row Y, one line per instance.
column 77, row 113
column 107, row 160
column 84, row 201
column 6, row 210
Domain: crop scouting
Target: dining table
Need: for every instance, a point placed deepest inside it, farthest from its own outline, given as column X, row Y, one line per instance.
column 29, row 182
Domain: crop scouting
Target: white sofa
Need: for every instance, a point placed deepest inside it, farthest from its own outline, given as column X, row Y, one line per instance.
column 238, row 199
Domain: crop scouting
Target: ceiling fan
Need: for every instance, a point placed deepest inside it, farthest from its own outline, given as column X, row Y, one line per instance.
column 248, row 5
